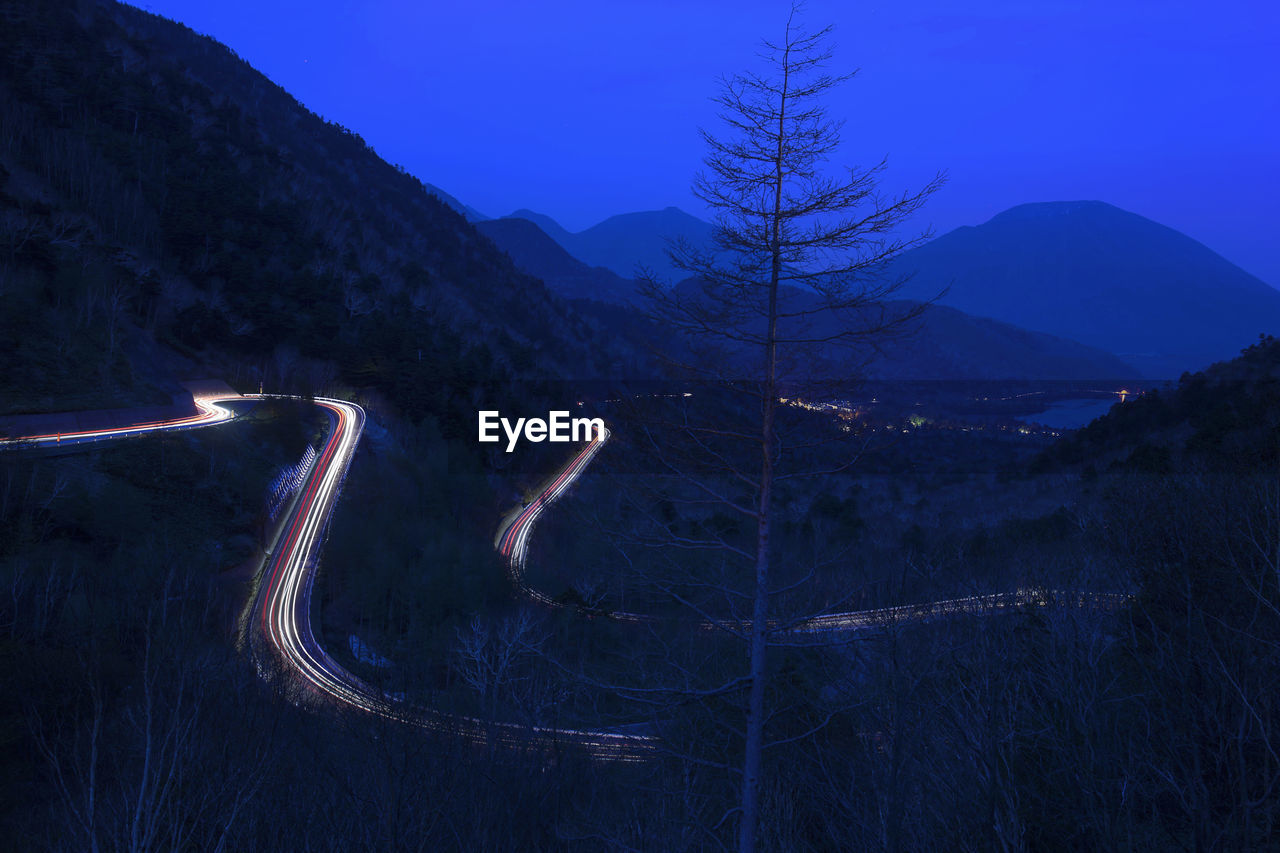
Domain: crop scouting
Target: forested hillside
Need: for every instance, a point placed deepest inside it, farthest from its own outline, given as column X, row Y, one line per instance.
column 154, row 187
column 984, row 638
column 1224, row 419
column 167, row 213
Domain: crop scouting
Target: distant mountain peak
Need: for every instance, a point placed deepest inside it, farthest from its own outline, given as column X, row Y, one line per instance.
column 1106, row 277
column 1048, row 209
column 526, row 213
column 469, row 213
column 668, row 213
column 534, row 251
column 627, row 242
column 549, row 226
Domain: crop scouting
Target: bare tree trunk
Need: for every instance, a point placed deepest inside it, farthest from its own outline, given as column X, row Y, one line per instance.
column 794, row 248
column 754, row 748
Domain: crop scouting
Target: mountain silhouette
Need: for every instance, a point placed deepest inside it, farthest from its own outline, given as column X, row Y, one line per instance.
column 629, row 242
column 1094, row 273
column 536, row 253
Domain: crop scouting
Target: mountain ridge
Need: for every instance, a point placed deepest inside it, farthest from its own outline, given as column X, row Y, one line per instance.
column 156, row 189
column 951, row 345
column 1082, row 270
column 537, row 253
column 1093, row 272
column 627, row 242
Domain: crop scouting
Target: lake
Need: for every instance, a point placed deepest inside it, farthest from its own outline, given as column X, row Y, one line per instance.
column 1071, row 414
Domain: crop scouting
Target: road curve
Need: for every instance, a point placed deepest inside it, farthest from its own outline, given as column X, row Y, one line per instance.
column 513, row 538
column 208, row 412
column 283, row 620
column 281, row 637
column 283, row 641
column 513, row 543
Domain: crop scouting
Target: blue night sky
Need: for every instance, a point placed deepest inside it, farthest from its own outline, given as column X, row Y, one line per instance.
column 581, row 110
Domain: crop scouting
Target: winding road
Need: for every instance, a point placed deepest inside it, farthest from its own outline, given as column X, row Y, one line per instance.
column 513, row 543
column 282, row 638
column 283, row 641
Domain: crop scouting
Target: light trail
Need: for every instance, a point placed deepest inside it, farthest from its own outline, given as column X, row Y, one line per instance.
column 513, row 543
column 997, row 602
column 282, row 608
column 209, row 412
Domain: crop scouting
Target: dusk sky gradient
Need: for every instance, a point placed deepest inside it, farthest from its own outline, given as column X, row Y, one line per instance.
column 581, row 110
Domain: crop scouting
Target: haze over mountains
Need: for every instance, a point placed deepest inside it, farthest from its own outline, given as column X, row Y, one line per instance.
column 1122, row 286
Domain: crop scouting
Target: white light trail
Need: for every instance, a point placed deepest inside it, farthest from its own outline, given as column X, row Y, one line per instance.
column 513, row 543
column 282, row 610
column 209, row 412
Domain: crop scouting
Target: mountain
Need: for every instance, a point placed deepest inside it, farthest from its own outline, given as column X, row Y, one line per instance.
column 533, row 251
column 549, row 226
column 1224, row 418
column 629, row 241
column 941, row 343
column 1094, row 273
column 469, row 213
column 165, row 209
column 951, row 344
column 626, row 242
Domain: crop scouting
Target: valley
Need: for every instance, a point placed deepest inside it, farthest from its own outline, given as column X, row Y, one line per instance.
column 757, row 515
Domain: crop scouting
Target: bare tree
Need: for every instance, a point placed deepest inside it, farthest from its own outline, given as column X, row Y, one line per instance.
column 796, row 275
column 492, row 657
